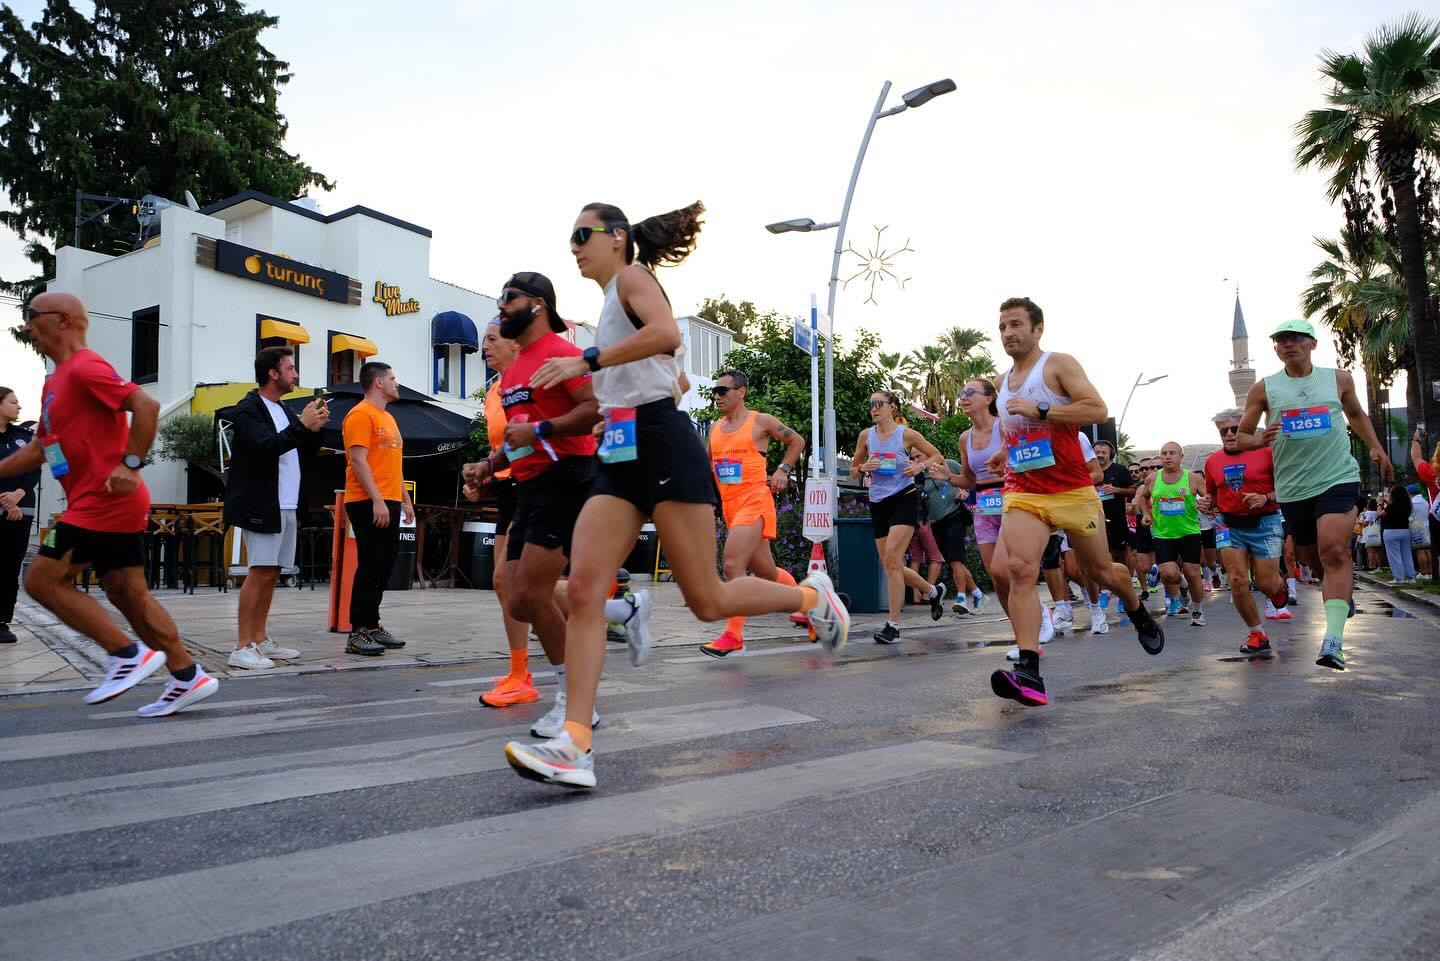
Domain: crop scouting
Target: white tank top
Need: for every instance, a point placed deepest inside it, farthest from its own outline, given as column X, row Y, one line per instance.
column 640, row 381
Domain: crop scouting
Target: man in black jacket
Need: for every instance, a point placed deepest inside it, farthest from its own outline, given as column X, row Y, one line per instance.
column 263, row 495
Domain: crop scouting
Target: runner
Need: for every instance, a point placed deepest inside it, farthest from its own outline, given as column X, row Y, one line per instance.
column 1147, row 572
column 1117, row 486
column 652, row 465
column 1241, row 485
column 944, row 505
column 1169, row 504
column 1316, row 479
column 1045, row 398
column 17, row 511
column 737, row 456
column 1209, row 557
column 977, row 402
column 880, row 451
column 550, row 449
column 96, row 451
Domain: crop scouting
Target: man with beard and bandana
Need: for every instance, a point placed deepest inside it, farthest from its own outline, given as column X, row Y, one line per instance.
column 550, row 449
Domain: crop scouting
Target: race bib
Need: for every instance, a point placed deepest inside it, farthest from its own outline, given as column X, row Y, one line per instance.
column 1222, row 537
column 515, row 453
column 55, row 458
column 889, row 464
column 1104, row 496
column 1030, row 451
column 1172, row 506
column 1305, row 421
column 990, row 501
column 617, row 444
column 1235, row 476
column 727, row 471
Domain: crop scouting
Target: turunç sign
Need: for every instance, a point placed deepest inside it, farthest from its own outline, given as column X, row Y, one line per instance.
column 250, row 264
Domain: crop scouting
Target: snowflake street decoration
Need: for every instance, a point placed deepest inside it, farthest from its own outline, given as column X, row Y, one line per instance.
column 877, row 264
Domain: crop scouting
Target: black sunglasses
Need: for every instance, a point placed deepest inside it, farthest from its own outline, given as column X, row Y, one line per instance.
column 581, row 236
column 878, row 403
column 721, row 390
column 1230, row 430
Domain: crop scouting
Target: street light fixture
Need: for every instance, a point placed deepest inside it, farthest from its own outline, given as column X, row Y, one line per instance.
column 1126, row 409
column 802, row 225
column 920, row 96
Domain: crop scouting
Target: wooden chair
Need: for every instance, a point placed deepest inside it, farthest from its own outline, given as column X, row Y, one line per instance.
column 164, row 541
column 206, row 535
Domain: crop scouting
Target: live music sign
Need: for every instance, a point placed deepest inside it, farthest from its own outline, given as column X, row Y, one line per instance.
column 819, row 509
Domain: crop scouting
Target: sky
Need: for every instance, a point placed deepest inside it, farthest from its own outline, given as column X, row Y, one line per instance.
column 1124, row 164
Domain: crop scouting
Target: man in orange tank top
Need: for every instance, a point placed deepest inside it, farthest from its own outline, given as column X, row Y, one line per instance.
column 737, row 456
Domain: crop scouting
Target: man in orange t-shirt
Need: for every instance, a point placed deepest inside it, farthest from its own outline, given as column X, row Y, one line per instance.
column 375, row 500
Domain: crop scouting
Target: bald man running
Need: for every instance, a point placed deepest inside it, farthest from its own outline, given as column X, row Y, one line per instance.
column 95, row 451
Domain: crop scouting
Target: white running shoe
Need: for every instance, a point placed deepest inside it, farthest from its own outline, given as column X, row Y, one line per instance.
column 1047, row 625
column 124, row 673
column 249, row 658
column 1098, row 622
column 637, row 626
column 553, row 723
column 181, row 694
column 977, row 602
column 828, row 618
column 272, row 650
column 1197, row 618
column 556, row 761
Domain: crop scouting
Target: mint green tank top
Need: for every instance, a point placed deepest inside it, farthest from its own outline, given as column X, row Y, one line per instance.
column 1173, row 512
column 1312, row 450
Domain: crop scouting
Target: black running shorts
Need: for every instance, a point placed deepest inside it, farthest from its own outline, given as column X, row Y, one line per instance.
column 1302, row 517
column 671, row 462
column 105, row 551
column 1144, row 539
column 900, row 509
column 547, row 506
column 950, row 536
column 1179, row 550
column 506, row 495
column 1207, row 539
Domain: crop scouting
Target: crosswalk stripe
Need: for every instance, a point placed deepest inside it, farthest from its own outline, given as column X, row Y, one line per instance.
column 307, row 884
column 209, row 707
column 102, row 804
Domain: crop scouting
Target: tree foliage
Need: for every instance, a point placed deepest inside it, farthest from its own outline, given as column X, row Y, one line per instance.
column 186, row 439
column 723, row 312
column 140, row 97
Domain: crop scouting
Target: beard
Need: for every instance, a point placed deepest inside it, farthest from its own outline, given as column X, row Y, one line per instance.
column 513, row 325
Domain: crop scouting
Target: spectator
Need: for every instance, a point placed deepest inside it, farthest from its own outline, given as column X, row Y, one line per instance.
column 1428, row 472
column 1370, row 534
column 17, row 511
column 1419, row 528
column 1395, row 533
column 263, row 496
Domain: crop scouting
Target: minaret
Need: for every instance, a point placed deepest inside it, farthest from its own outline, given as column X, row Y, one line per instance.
column 1242, row 375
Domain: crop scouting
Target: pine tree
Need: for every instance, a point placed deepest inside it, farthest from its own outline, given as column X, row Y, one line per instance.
column 145, row 96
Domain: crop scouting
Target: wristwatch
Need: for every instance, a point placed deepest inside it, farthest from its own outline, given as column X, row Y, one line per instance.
column 132, row 461
column 544, row 429
column 787, row 468
column 1044, row 408
column 592, row 357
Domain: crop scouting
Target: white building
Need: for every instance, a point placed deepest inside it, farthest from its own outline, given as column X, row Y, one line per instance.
column 185, row 314
column 706, row 347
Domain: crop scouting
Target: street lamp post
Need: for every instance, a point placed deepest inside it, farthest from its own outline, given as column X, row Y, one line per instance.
column 915, row 98
column 1126, row 409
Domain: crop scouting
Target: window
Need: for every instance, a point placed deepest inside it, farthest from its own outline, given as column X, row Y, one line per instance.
column 442, row 368
column 145, row 345
column 342, row 367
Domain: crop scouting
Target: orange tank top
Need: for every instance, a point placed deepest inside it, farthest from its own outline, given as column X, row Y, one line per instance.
column 738, row 465
column 495, row 423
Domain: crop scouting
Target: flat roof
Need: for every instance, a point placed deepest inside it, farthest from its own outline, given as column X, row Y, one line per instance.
column 256, row 197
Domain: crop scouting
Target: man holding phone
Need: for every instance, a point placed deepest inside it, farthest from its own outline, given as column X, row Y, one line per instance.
column 263, row 494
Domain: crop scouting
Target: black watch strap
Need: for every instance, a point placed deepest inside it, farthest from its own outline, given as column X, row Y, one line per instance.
column 592, row 357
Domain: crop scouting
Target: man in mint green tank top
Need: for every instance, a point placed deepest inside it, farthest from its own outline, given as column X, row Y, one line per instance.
column 1317, row 482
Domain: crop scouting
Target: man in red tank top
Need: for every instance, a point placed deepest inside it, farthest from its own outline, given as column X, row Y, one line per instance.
column 1044, row 400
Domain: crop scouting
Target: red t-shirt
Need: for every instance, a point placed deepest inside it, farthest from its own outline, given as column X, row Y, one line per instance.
column 1228, row 477
column 80, row 409
column 524, row 403
column 1427, row 477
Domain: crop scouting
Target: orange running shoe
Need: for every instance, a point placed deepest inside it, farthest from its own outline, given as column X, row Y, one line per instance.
column 509, row 691
column 723, row 646
column 1257, row 644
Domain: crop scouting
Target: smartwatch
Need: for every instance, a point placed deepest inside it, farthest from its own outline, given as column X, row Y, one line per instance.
column 544, row 429
column 132, row 461
column 592, row 357
column 1044, row 408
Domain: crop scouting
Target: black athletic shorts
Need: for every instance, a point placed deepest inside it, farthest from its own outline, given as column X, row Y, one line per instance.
column 1301, row 517
column 1050, row 560
column 506, row 495
column 1144, row 539
column 1207, row 539
column 1182, row 550
column 547, row 506
column 950, row 536
column 900, row 509
column 671, row 462
column 105, row 551
column 1118, row 534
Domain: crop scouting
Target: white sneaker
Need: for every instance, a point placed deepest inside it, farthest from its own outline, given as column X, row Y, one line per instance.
column 1098, row 622
column 977, row 602
column 637, row 626
column 249, row 658
column 124, row 673
column 828, row 618
column 181, row 694
column 556, row 761
column 1197, row 618
column 270, row 649
column 553, row 723
column 1047, row 625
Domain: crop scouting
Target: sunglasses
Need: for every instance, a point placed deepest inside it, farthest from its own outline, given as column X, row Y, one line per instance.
column 878, row 403
column 31, row 313
column 581, row 236
column 970, row 392
column 721, row 391
column 1229, row 430
column 510, row 294
column 1289, row 338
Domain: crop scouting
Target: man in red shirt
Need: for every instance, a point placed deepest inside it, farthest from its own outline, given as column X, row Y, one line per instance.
column 95, row 452
column 550, row 449
column 1241, row 485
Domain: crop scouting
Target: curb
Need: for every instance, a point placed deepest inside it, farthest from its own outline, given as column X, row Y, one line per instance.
column 1418, row 597
column 77, row 650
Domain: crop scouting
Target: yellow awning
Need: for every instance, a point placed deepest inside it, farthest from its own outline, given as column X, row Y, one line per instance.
column 208, row 398
column 360, row 345
column 293, row 333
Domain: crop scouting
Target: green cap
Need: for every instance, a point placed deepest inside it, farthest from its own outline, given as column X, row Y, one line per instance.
column 1295, row 327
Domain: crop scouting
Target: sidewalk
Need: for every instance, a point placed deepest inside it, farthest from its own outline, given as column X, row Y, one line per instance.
column 439, row 626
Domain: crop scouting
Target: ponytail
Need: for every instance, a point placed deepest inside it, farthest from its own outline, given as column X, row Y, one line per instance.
column 896, row 407
column 664, row 240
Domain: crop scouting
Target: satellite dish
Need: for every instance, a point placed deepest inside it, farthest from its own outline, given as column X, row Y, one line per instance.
column 191, row 202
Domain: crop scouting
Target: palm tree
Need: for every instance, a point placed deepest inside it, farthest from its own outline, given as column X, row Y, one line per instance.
column 897, row 371
column 1384, row 112
column 966, row 357
column 1124, row 448
column 928, row 363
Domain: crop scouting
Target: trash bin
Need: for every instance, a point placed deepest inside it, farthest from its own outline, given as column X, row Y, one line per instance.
column 402, row 575
column 861, row 575
column 477, row 552
column 641, row 562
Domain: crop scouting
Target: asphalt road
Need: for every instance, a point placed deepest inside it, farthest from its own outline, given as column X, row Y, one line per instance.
column 781, row 805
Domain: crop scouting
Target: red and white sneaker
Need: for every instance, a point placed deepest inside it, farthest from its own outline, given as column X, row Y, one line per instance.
column 124, row 673
column 1273, row 613
column 181, row 694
